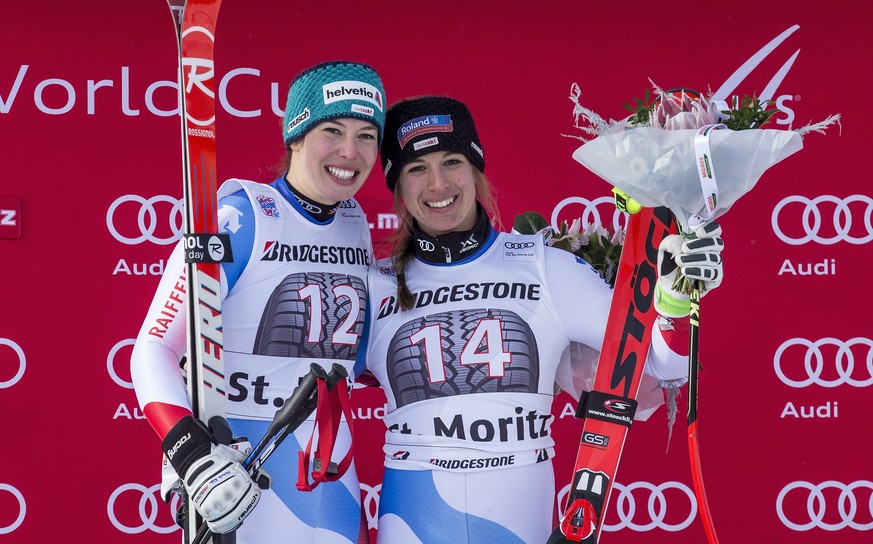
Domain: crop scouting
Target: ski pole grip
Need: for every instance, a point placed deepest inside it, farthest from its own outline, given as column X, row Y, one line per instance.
column 220, row 430
column 298, row 399
column 337, row 373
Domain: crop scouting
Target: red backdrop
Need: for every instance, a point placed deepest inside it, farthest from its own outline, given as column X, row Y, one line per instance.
column 90, row 184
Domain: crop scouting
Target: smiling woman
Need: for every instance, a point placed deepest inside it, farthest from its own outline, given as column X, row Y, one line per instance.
column 467, row 342
column 295, row 294
column 334, row 160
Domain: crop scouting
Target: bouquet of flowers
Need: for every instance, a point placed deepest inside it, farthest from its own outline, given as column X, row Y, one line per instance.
column 667, row 153
column 595, row 244
column 696, row 156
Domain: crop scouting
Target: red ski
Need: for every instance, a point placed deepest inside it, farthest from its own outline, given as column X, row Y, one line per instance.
column 609, row 408
column 205, row 249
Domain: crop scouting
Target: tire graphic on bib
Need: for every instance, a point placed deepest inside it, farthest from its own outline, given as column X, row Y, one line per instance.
column 408, row 371
column 310, row 315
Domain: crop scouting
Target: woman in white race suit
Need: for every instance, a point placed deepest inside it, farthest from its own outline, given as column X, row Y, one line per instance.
column 467, row 335
column 295, row 294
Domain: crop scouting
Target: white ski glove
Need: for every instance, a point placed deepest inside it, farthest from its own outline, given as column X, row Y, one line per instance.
column 698, row 258
column 220, row 488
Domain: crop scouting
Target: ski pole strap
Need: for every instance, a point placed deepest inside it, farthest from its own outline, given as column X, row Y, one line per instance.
column 328, row 428
column 340, row 405
column 333, row 402
column 606, row 407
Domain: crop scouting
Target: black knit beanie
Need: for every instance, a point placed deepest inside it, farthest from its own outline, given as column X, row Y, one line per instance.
column 418, row 126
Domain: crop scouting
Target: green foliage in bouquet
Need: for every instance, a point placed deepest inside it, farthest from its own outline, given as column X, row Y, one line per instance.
column 595, row 244
column 749, row 113
column 656, row 110
column 641, row 109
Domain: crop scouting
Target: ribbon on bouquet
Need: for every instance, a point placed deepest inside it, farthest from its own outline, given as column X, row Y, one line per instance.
column 706, row 174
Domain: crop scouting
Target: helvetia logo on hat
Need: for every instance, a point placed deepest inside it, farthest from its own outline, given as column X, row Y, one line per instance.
column 423, row 125
column 304, row 115
column 352, row 90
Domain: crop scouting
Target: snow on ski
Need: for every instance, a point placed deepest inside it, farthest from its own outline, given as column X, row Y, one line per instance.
column 609, row 408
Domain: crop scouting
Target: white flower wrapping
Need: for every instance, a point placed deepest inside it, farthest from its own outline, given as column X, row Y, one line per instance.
column 659, row 164
column 658, row 167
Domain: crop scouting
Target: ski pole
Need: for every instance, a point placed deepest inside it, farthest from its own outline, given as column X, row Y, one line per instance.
column 294, row 412
column 293, row 405
column 286, row 421
column 693, row 438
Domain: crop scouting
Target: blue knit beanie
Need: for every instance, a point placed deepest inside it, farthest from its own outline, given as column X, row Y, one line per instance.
column 421, row 125
column 333, row 90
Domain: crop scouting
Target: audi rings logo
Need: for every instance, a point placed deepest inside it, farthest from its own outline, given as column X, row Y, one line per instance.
column 22, row 363
column 309, row 206
column 846, row 504
column 159, row 219
column 825, row 219
column 426, row 245
column 370, row 503
column 590, row 214
column 22, row 509
column 669, row 506
column 146, row 512
column 518, row 245
column 827, row 362
column 347, row 204
column 110, row 363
